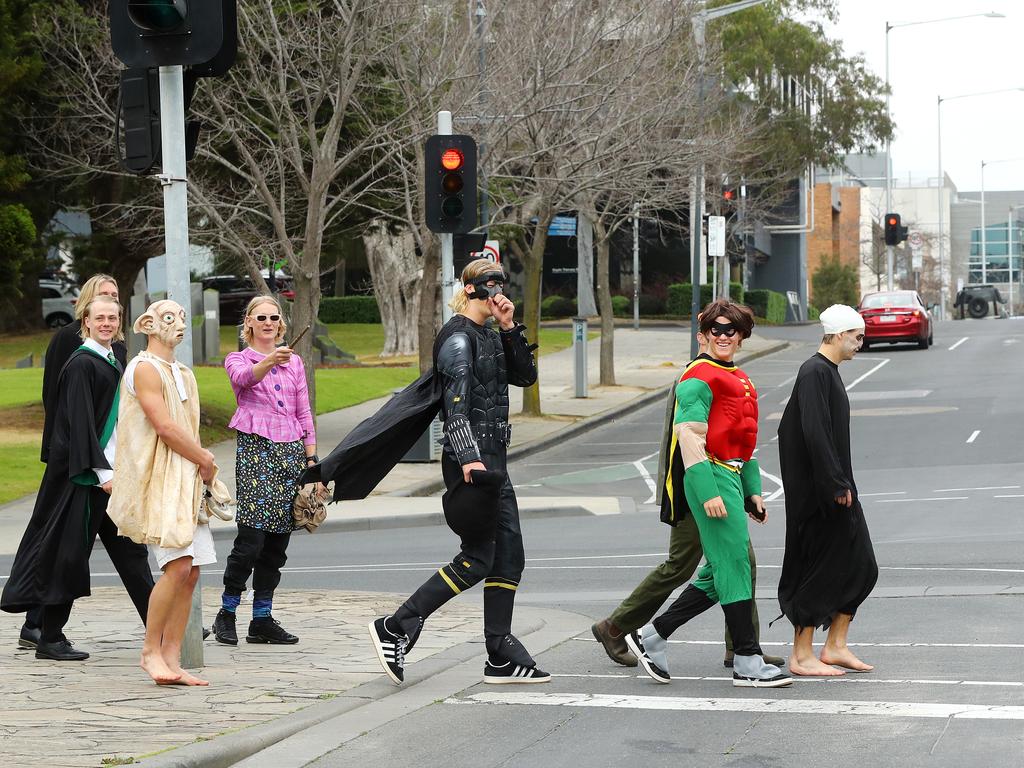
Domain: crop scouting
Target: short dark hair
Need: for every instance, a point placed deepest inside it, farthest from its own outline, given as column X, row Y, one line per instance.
column 739, row 315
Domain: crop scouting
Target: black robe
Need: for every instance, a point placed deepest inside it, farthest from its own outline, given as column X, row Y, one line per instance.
column 52, row 564
column 63, row 342
column 829, row 565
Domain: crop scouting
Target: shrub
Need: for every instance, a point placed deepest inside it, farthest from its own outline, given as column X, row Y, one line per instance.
column 835, row 283
column 771, row 305
column 651, row 304
column 349, row 309
column 812, row 313
column 621, row 306
column 681, row 294
column 557, row 306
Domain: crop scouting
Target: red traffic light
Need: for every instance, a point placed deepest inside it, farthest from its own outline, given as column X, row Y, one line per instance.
column 452, row 159
column 729, row 194
column 893, row 221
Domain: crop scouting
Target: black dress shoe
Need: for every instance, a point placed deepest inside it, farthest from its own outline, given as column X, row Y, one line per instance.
column 224, row 627
column 268, row 630
column 29, row 637
column 60, row 650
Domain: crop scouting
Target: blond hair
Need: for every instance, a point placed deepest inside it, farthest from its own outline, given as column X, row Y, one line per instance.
column 89, row 291
column 84, row 309
column 460, row 301
column 246, row 332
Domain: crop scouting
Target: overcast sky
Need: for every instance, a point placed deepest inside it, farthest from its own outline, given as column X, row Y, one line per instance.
column 947, row 58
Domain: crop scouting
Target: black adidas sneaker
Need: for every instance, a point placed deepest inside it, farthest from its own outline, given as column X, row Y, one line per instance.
column 507, row 672
column 390, row 649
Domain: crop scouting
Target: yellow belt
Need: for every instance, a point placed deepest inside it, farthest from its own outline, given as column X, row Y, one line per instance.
column 733, row 465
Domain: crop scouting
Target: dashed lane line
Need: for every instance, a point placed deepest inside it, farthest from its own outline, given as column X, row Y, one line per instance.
column 780, row 704
column 980, row 488
column 934, row 498
column 974, row 436
column 861, row 378
column 957, row 344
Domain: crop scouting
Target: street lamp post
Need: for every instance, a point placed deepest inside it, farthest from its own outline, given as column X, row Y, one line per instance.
column 699, row 21
column 889, row 251
column 941, row 186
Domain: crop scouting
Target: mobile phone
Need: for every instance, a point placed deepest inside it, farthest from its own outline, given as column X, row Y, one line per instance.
column 299, row 337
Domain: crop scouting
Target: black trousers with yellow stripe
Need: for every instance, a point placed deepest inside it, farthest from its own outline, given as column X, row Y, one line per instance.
column 498, row 562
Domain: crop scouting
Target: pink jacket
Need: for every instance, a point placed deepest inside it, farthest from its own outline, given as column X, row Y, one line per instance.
column 277, row 407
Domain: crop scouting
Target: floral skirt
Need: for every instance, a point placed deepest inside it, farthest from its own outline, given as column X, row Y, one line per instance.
column 265, row 475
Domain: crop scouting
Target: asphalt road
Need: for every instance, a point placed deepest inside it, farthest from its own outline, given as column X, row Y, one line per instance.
column 939, row 459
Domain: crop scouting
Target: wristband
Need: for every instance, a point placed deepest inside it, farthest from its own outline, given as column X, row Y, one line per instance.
column 314, row 459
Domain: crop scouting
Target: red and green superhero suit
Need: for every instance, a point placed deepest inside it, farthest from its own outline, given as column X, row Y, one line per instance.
column 715, row 430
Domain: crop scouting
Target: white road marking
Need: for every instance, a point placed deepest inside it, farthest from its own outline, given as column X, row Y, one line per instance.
column 1008, row 496
column 965, row 338
column 892, row 493
column 979, row 488
column 787, row 381
column 646, row 476
column 839, row 680
column 943, row 498
column 775, row 705
column 974, row 436
column 784, row 644
column 778, row 491
column 864, row 376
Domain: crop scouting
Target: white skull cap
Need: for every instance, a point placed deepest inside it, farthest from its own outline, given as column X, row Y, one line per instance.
column 839, row 318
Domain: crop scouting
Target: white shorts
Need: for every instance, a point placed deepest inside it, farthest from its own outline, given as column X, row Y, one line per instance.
column 200, row 550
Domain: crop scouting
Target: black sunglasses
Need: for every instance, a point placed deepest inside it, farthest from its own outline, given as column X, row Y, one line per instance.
column 723, row 330
column 264, row 318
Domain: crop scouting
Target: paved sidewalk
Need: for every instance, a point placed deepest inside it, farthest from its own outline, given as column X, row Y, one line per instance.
column 105, row 712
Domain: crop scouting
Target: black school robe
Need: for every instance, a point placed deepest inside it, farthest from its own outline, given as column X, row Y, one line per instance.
column 829, row 564
column 63, row 342
column 52, row 564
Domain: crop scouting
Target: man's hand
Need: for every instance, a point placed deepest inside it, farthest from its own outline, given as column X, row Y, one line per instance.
column 207, row 467
column 715, row 507
column 759, row 513
column 107, row 486
column 467, row 468
column 501, row 310
column 845, row 499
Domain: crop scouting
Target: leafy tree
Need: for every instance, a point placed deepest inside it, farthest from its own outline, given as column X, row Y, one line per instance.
column 835, row 283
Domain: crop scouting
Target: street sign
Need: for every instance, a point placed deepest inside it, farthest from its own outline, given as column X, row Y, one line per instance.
column 914, row 240
column 716, row 236
column 491, row 251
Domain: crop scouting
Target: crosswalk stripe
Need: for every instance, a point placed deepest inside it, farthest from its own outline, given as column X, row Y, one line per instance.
column 775, row 705
column 845, row 679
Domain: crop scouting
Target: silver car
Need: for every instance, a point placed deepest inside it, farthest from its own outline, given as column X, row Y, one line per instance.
column 59, row 301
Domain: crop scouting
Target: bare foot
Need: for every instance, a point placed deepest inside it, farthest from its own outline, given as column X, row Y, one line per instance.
column 157, row 669
column 843, row 657
column 187, row 679
column 812, row 667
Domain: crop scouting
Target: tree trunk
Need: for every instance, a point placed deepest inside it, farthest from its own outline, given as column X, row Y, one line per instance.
column 429, row 302
column 604, row 305
column 396, row 276
column 339, row 277
column 532, row 256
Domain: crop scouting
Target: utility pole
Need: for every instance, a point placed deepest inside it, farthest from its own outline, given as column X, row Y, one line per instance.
column 444, row 128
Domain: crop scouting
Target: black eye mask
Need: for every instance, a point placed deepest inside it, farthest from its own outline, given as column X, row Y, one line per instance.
column 482, row 291
column 727, row 329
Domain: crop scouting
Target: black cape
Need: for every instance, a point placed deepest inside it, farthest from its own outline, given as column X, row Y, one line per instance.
column 52, row 563
column 63, row 342
column 371, row 450
column 829, row 565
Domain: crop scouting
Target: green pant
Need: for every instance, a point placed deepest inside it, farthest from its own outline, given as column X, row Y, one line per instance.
column 726, row 576
column 684, row 554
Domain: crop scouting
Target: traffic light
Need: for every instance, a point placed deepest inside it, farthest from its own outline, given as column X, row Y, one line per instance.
column 895, row 233
column 730, row 196
column 156, row 33
column 450, row 183
column 140, row 121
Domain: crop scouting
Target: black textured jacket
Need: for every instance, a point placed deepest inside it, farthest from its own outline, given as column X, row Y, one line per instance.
column 476, row 365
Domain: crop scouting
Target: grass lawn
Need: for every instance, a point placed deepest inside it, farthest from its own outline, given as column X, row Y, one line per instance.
column 15, row 346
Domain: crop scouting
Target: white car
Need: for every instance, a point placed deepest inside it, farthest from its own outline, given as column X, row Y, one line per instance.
column 59, row 301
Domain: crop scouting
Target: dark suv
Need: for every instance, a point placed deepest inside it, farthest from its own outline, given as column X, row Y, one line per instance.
column 235, row 294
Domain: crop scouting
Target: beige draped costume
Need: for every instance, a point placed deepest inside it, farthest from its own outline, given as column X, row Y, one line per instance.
column 157, row 494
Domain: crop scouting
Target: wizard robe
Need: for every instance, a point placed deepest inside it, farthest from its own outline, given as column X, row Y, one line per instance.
column 52, row 563
column 829, row 564
column 62, row 344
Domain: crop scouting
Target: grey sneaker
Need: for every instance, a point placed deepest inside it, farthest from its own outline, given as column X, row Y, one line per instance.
column 650, row 648
column 753, row 672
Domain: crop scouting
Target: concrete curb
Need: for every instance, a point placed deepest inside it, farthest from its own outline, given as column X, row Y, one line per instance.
column 435, row 677
column 585, row 424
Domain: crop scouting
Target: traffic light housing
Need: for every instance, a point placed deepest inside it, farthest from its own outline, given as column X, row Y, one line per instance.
column 450, row 183
column 895, row 233
column 730, row 196
column 157, row 33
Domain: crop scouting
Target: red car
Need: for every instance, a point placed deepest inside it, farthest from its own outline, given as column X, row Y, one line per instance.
column 895, row 316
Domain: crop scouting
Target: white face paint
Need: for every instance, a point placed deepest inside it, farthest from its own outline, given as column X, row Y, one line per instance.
column 850, row 343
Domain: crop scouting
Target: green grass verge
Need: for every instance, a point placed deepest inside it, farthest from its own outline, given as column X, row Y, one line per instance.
column 20, row 469
column 20, row 386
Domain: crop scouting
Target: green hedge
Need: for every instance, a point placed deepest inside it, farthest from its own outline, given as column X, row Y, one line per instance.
column 680, row 295
column 621, row 306
column 349, row 309
column 771, row 305
column 812, row 313
column 557, row 306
